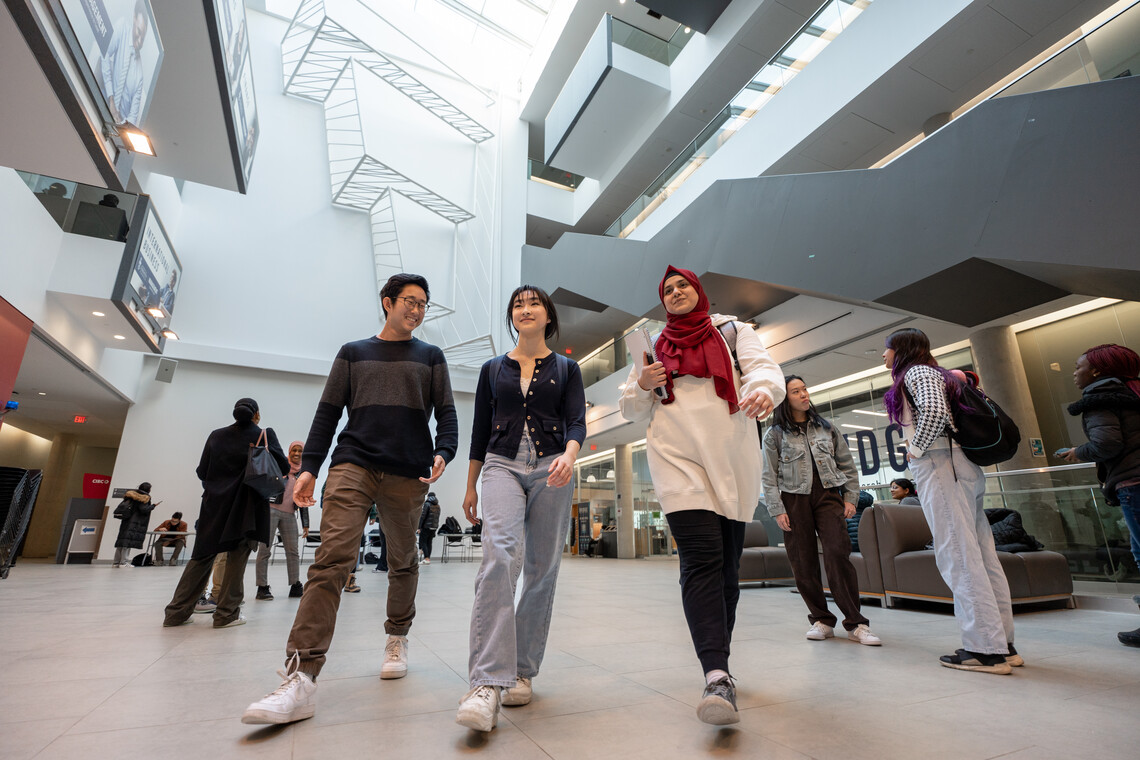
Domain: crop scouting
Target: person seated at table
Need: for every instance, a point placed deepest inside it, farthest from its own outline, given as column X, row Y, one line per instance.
column 173, row 525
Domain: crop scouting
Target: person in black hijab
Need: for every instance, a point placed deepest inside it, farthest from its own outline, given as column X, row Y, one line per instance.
column 233, row 518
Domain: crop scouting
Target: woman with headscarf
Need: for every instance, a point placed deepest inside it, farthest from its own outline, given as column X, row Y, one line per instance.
column 705, row 461
column 134, row 513
column 233, row 517
column 1110, row 415
column 283, row 522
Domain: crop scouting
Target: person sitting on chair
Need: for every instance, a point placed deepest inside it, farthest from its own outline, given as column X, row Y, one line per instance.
column 174, row 524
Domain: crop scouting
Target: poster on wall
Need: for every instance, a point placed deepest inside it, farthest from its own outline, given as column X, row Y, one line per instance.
column 150, row 275
column 120, row 41
column 235, row 74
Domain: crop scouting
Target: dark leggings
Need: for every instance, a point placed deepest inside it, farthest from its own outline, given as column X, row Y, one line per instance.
column 709, row 547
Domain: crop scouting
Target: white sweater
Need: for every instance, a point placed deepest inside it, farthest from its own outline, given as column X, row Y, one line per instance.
column 700, row 456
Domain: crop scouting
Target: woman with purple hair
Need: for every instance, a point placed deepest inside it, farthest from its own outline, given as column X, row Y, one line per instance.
column 1110, row 415
column 951, row 489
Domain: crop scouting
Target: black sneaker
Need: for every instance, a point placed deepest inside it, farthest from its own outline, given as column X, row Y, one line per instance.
column 296, row 590
column 983, row 663
column 1129, row 638
column 263, row 594
column 718, row 704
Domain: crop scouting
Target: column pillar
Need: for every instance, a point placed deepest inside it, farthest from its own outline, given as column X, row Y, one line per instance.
column 998, row 363
column 43, row 530
column 623, row 480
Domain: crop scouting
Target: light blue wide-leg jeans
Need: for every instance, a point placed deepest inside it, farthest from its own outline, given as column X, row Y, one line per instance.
column 952, row 494
column 524, row 529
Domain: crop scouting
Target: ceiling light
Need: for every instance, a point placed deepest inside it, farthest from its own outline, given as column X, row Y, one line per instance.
column 857, row 427
column 868, row 411
column 98, row 314
column 169, row 334
column 134, row 139
column 42, row 393
column 120, row 337
column 591, row 479
column 688, row 30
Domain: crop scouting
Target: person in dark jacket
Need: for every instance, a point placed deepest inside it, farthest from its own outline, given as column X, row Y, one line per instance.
column 233, row 518
column 1110, row 416
column 429, row 524
column 137, row 507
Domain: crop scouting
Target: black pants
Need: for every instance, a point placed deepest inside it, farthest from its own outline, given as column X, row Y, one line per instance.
column 426, row 537
column 709, row 547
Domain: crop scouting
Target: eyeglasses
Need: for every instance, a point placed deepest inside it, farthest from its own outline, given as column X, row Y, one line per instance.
column 414, row 305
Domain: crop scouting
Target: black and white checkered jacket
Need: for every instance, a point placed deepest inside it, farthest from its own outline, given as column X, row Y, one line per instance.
column 930, row 409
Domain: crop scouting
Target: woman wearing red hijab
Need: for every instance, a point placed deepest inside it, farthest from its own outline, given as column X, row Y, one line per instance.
column 705, row 461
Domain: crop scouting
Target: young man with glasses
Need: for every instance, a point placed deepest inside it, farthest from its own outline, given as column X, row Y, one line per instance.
column 390, row 383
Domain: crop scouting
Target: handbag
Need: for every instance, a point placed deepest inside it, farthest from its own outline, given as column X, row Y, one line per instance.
column 261, row 471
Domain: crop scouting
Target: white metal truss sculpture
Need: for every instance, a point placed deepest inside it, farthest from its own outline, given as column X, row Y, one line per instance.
column 316, row 49
column 322, row 62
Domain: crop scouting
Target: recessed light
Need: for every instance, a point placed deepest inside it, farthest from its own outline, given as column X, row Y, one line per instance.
column 42, row 393
column 98, row 314
column 120, row 337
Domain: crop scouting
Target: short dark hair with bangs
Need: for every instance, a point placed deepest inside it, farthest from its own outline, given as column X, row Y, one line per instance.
column 544, row 299
column 395, row 286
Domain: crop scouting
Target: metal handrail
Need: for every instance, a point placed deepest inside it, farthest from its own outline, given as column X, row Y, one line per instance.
column 1040, row 470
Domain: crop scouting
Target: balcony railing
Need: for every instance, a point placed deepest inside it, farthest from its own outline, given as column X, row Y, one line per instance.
column 83, row 209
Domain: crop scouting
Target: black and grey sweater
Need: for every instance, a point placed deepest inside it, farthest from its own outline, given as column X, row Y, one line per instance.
column 1110, row 416
column 390, row 389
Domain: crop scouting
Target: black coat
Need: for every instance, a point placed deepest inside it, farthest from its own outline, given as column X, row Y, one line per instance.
column 232, row 512
column 1110, row 416
column 132, row 528
column 429, row 515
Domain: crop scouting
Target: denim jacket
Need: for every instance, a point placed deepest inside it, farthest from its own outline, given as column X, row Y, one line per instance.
column 787, row 469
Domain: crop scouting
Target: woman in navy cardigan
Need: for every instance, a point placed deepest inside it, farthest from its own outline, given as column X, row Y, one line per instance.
column 530, row 421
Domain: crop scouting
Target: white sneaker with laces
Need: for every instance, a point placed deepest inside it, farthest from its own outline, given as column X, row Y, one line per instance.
column 395, row 658
column 820, row 631
column 295, row 699
column 479, row 708
column 863, row 635
column 519, row 694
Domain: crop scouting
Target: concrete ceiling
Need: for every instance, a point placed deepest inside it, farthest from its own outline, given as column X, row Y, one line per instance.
column 69, row 391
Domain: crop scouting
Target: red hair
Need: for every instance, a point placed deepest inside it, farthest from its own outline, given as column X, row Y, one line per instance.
column 1116, row 361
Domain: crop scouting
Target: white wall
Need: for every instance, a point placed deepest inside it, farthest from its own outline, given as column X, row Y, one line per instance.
column 21, row 449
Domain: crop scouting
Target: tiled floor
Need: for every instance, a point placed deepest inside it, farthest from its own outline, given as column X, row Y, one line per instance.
column 91, row 673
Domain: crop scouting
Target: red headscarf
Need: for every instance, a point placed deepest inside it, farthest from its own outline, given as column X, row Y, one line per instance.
column 690, row 345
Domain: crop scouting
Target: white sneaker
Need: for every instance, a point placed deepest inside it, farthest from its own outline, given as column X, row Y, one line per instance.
column 395, row 658
column 519, row 694
column 820, row 631
column 863, row 635
column 479, row 708
column 295, row 699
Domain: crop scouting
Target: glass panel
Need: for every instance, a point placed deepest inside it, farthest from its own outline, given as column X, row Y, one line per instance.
column 83, row 209
column 560, row 178
column 649, row 45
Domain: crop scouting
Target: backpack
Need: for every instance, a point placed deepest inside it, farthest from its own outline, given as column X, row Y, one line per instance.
column 123, row 511
column 985, row 432
column 451, row 526
column 142, row 560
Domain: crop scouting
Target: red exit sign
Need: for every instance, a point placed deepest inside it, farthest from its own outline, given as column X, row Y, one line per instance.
column 80, row 419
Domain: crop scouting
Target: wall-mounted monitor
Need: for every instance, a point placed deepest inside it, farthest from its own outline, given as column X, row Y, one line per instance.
column 150, row 275
column 226, row 22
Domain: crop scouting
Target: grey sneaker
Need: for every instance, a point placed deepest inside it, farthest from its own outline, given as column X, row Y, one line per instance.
column 395, row 658
column 718, row 704
column 519, row 694
column 205, row 604
column 295, row 699
column 479, row 708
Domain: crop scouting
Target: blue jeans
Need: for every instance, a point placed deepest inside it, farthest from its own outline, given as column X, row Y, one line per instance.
column 524, row 529
column 952, row 494
column 1129, row 497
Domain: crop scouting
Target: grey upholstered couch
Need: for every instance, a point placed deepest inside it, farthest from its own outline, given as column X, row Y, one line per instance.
column 760, row 562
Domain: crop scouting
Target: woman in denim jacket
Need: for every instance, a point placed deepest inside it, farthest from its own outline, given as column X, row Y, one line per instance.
column 810, row 487
column 525, row 438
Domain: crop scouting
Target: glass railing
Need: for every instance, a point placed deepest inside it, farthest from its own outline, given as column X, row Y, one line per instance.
column 1110, row 51
column 649, row 45
column 563, row 180
column 83, row 209
column 832, row 18
column 1065, row 510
